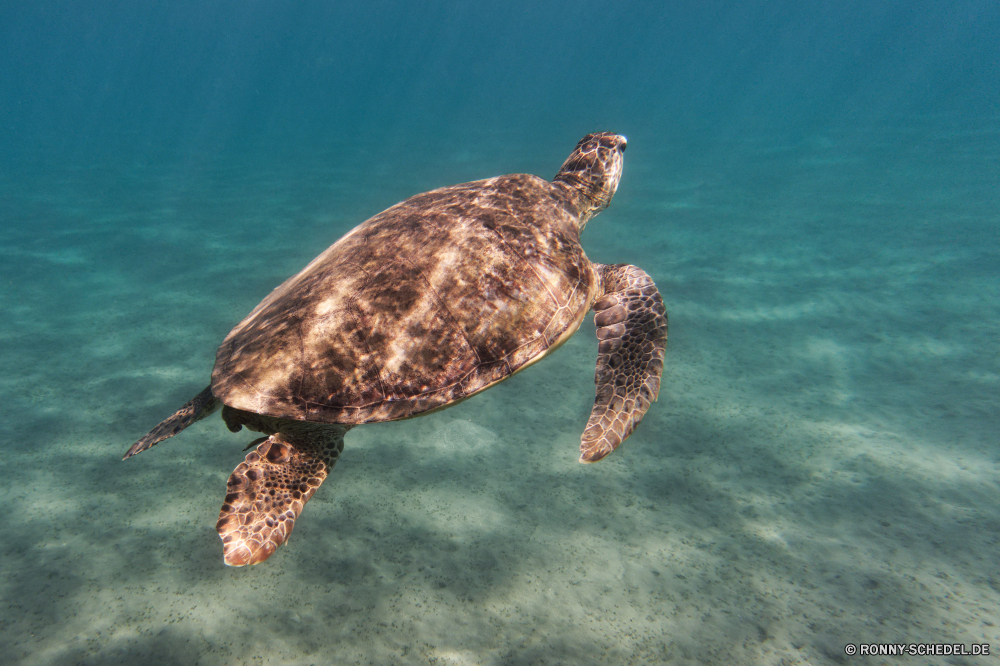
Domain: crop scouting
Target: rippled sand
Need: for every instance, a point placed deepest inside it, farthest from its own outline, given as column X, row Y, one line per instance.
column 821, row 467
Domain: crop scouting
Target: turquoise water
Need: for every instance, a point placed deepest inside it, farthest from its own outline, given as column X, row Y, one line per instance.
column 813, row 190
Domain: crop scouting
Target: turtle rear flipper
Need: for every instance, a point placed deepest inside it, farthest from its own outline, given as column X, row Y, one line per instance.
column 632, row 329
column 197, row 408
column 267, row 492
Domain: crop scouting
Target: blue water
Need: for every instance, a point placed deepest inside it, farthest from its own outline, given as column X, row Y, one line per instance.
column 813, row 186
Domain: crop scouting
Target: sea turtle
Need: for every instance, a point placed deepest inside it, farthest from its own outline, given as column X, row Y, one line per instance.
column 420, row 307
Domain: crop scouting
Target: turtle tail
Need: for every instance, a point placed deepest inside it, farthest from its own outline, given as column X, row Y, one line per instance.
column 197, row 408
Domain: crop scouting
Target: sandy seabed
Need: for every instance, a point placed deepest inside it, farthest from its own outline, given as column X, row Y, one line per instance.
column 822, row 467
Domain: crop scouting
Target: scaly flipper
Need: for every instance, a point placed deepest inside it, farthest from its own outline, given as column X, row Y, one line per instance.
column 196, row 409
column 632, row 327
column 266, row 493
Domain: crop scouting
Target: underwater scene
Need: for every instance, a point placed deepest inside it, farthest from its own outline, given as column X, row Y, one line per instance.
column 812, row 186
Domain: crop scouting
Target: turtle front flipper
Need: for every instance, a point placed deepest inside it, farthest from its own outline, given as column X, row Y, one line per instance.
column 632, row 329
column 267, row 492
column 195, row 409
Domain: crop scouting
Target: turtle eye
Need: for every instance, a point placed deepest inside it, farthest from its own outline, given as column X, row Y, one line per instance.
column 623, row 144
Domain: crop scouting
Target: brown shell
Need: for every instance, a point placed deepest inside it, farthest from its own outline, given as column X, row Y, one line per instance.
column 426, row 303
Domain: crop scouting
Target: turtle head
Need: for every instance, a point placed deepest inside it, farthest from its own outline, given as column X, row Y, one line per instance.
column 592, row 171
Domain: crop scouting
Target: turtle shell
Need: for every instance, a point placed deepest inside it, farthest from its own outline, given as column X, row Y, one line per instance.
column 425, row 304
